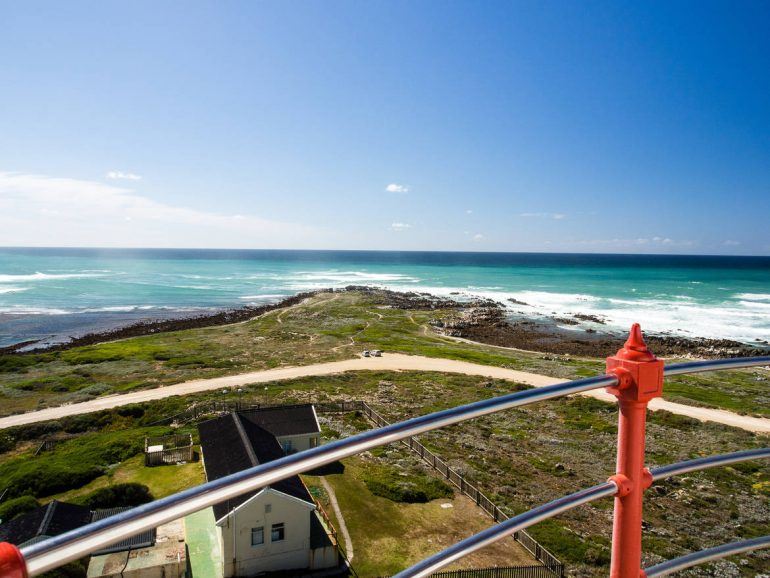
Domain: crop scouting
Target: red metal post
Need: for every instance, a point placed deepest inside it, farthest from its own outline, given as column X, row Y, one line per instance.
column 641, row 379
column 12, row 563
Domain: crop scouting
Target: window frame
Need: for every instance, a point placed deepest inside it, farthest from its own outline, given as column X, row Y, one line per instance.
column 253, row 532
column 278, row 529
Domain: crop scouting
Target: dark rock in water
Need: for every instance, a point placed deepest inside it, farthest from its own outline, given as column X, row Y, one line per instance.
column 565, row 320
column 517, row 302
column 586, row 317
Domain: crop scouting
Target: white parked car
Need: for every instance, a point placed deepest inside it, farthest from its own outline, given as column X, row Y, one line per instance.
column 366, row 353
column 376, row 353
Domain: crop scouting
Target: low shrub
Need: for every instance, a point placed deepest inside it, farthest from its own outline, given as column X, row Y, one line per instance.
column 118, row 496
column 16, row 507
column 413, row 488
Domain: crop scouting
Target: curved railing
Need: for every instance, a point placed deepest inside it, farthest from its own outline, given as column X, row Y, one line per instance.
column 507, row 528
column 53, row 552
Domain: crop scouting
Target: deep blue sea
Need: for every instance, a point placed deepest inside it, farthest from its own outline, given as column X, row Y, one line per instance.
column 50, row 293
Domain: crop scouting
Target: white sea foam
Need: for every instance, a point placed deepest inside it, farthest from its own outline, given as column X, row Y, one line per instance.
column 753, row 296
column 262, row 297
column 45, row 276
column 12, row 289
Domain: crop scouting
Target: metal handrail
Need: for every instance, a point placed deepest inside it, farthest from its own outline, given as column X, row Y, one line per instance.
column 495, row 533
column 708, row 555
column 492, row 534
column 59, row 550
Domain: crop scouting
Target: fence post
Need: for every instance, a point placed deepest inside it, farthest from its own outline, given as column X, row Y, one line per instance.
column 640, row 379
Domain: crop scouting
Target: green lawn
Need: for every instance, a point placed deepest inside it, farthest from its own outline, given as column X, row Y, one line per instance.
column 389, row 536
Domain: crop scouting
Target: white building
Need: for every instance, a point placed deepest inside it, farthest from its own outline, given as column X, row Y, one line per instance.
column 276, row 528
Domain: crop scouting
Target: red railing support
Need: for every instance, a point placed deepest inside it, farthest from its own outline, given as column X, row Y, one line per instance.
column 640, row 376
column 12, row 563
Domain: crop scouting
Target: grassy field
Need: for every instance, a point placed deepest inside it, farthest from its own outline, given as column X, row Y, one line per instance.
column 325, row 328
column 520, row 458
column 389, row 536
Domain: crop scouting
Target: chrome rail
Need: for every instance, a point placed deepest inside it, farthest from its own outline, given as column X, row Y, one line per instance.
column 430, row 565
column 495, row 533
column 59, row 550
column 48, row 554
column 708, row 555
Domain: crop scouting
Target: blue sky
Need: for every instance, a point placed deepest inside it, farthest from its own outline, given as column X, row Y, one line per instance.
column 510, row 126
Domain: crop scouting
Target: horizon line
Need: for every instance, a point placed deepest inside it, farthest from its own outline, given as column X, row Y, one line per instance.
column 621, row 254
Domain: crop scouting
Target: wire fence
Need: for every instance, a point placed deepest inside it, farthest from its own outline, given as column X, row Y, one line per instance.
column 549, row 562
column 498, row 572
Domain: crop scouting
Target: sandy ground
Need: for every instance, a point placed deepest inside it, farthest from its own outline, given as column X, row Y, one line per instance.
column 389, row 362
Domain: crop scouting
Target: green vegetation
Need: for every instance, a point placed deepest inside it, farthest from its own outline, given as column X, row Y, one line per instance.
column 408, row 487
column 327, row 327
column 16, row 507
column 118, row 496
column 388, row 536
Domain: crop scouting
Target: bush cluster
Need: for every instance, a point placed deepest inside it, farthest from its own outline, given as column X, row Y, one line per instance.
column 118, row 496
column 414, row 488
column 16, row 507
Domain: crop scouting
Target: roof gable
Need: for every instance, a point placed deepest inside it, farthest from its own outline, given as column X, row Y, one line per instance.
column 284, row 420
column 232, row 444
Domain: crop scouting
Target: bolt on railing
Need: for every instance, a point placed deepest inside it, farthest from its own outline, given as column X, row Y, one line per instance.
column 635, row 377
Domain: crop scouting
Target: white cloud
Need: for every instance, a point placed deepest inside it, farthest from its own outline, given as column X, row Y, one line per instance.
column 469, row 211
column 650, row 242
column 37, row 210
column 556, row 216
column 400, row 226
column 396, row 188
column 478, row 237
column 121, row 176
column 731, row 243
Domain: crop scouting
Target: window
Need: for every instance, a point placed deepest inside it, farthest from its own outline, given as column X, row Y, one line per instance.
column 313, row 442
column 288, row 446
column 278, row 533
column 268, row 508
column 257, row 536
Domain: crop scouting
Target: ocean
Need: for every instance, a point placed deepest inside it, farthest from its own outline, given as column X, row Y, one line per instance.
column 50, row 294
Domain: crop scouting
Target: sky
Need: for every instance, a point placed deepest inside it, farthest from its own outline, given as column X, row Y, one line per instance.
column 401, row 125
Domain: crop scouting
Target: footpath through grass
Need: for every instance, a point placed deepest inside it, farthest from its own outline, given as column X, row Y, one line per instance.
column 327, row 327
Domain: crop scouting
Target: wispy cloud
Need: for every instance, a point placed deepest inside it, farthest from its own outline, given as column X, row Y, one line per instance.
column 556, row 216
column 41, row 210
column 396, row 188
column 400, row 226
column 639, row 242
column 478, row 237
column 121, row 176
column 469, row 211
column 731, row 243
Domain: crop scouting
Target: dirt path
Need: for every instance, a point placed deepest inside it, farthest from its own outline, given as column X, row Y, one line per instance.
column 340, row 519
column 389, row 362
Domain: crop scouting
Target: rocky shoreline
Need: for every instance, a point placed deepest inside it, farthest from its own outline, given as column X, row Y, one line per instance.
column 488, row 322
column 481, row 320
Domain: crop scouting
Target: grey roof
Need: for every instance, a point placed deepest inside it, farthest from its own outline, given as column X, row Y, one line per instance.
column 50, row 520
column 231, row 444
column 284, row 420
column 143, row 540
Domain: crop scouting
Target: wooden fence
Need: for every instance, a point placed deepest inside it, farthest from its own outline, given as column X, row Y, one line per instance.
column 498, row 572
column 175, row 448
column 550, row 562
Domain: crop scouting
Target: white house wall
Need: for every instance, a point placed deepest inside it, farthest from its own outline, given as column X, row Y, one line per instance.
column 291, row 553
column 300, row 442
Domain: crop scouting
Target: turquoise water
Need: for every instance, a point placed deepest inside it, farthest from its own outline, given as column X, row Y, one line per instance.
column 42, row 290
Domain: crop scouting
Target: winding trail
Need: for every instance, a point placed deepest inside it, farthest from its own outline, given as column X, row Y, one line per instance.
column 389, row 362
column 340, row 519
